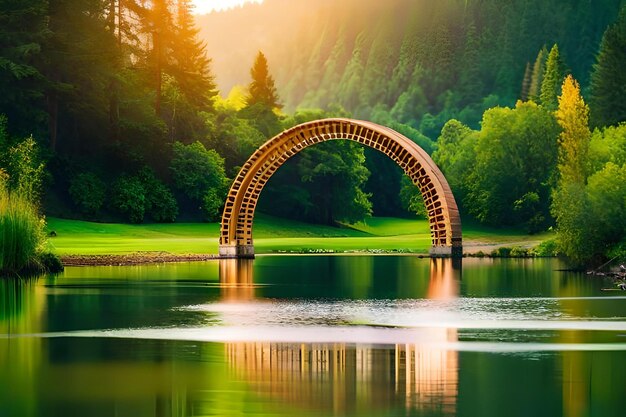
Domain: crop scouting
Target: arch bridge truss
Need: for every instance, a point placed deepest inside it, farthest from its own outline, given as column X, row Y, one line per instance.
column 237, row 219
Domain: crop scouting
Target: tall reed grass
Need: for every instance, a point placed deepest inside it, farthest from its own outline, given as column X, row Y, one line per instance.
column 22, row 236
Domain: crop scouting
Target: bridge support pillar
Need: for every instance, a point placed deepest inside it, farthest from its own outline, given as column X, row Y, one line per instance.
column 446, row 251
column 236, row 251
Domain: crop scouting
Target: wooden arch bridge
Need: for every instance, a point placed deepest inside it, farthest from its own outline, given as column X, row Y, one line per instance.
column 237, row 218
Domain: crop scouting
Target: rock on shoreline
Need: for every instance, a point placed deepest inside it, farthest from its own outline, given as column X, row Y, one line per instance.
column 137, row 258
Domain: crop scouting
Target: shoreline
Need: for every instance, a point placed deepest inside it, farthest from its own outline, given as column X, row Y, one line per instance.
column 146, row 258
column 131, row 259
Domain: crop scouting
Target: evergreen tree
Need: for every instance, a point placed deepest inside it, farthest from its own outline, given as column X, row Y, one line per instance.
column 526, row 83
column 608, row 80
column 332, row 71
column 552, row 80
column 401, row 76
column 191, row 66
column 262, row 89
column 536, row 79
column 470, row 83
column 352, row 77
column 22, row 32
column 157, row 25
column 188, row 85
column 114, row 22
column 377, row 69
column 78, row 80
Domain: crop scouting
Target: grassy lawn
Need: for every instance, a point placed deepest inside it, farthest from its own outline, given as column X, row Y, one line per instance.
column 270, row 235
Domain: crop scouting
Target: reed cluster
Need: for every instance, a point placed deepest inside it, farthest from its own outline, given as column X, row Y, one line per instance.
column 22, row 236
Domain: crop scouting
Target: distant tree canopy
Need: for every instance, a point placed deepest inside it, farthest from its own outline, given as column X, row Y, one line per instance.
column 443, row 57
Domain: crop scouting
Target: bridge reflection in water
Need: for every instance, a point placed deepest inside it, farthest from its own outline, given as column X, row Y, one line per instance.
column 341, row 378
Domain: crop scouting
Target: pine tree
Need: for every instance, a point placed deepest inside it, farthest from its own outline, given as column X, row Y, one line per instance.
column 537, row 75
column 350, row 84
column 262, row 89
column 78, row 87
column 22, row 32
column 191, row 66
column 157, row 25
column 552, row 79
column 470, row 83
column 526, row 83
column 114, row 22
column 608, row 80
column 378, row 69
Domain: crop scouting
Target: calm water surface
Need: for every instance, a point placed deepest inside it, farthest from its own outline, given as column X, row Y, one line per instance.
column 314, row 336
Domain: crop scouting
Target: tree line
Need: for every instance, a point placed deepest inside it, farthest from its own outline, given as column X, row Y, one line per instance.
column 552, row 160
column 120, row 96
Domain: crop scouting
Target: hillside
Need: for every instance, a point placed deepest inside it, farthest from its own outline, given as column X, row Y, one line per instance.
column 403, row 58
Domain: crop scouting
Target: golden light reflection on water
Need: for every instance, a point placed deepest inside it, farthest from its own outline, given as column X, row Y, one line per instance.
column 340, row 377
column 236, row 279
column 344, row 378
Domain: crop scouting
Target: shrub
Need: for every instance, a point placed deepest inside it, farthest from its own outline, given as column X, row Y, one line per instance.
column 502, row 252
column 87, row 192
column 144, row 194
column 211, row 204
column 129, row 198
column 160, row 202
column 22, row 236
column 547, row 248
column 162, row 206
column 25, row 170
column 618, row 251
column 50, row 262
column 518, row 252
column 199, row 173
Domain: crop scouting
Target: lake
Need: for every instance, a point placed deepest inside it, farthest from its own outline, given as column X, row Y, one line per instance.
column 314, row 336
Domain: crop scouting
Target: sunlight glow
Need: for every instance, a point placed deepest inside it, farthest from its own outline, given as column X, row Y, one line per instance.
column 207, row 6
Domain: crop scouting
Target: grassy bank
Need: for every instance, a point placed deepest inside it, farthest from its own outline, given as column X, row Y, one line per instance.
column 271, row 235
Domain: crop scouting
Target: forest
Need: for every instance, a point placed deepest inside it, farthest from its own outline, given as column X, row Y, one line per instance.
column 127, row 110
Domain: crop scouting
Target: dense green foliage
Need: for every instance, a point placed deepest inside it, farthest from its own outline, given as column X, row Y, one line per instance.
column 503, row 172
column 509, row 182
column 323, row 183
column 590, row 198
column 122, row 101
column 439, row 56
column 199, row 174
column 608, row 80
column 413, row 64
column 88, row 192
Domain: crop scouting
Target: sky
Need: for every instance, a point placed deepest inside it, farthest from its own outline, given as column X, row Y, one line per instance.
column 206, row 6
